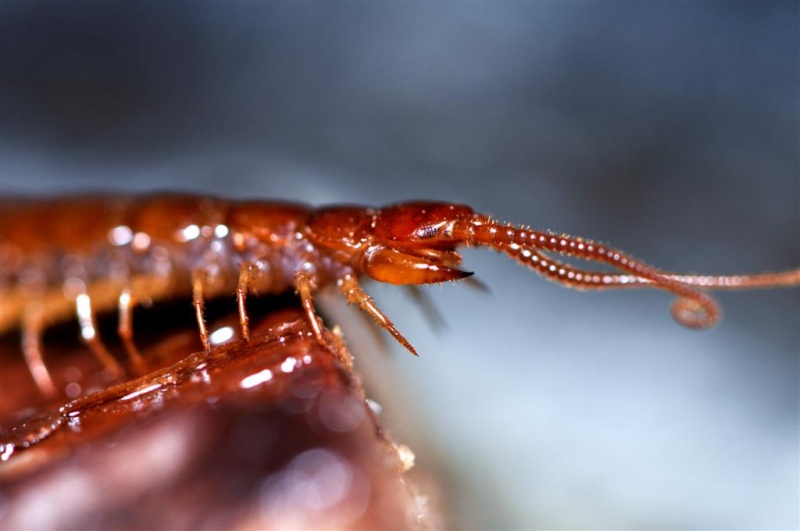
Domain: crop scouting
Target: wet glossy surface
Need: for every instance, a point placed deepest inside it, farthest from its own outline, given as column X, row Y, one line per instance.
column 271, row 434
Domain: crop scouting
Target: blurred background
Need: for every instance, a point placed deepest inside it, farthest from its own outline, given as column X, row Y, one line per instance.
column 668, row 129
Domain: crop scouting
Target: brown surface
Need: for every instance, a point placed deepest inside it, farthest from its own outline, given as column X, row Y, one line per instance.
column 209, row 442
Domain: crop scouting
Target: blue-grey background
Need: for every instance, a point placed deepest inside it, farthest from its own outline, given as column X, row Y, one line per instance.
column 669, row 129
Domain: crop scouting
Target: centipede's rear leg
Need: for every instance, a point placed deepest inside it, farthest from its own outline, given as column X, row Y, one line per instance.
column 88, row 324
column 33, row 325
column 32, row 329
column 126, row 304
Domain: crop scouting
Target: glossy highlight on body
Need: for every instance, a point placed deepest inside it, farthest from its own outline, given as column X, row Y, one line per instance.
column 78, row 256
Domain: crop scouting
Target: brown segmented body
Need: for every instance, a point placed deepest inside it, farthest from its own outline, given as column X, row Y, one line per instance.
column 109, row 242
column 81, row 255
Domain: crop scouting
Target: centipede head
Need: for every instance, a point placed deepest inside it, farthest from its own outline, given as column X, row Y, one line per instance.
column 408, row 243
column 415, row 243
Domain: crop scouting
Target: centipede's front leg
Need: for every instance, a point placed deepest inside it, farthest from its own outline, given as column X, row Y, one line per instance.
column 349, row 286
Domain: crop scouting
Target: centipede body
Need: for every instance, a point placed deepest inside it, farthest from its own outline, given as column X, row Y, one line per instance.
column 78, row 256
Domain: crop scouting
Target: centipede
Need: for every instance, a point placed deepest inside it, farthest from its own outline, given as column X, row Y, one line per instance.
column 75, row 257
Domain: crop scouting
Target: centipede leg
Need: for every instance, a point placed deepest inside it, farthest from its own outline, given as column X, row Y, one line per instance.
column 354, row 294
column 245, row 277
column 304, row 285
column 198, row 287
column 125, row 329
column 86, row 320
column 32, row 327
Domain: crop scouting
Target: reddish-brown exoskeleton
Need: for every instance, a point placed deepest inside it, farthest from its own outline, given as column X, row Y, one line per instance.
column 77, row 256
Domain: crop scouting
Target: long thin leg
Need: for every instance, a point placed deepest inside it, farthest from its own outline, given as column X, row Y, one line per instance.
column 86, row 320
column 246, row 272
column 32, row 327
column 354, row 294
column 125, row 329
column 304, row 284
column 198, row 286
